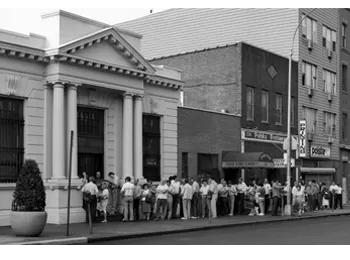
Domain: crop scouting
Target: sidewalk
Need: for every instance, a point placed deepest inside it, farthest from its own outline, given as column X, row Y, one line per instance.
column 55, row 234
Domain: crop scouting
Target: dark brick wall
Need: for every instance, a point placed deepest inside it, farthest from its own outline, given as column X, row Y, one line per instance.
column 255, row 64
column 212, row 78
column 206, row 132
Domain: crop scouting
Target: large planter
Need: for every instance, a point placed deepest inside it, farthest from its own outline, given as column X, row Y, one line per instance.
column 28, row 224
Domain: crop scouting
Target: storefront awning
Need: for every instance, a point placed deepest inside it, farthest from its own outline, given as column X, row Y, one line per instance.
column 318, row 170
column 246, row 160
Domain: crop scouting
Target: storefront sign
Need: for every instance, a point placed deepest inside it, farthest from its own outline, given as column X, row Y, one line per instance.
column 320, row 152
column 247, row 164
column 263, row 136
column 302, row 139
column 281, row 163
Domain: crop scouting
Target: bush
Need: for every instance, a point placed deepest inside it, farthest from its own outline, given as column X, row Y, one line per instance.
column 30, row 193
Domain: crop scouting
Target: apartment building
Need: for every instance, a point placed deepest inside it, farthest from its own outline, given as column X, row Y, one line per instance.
column 316, row 49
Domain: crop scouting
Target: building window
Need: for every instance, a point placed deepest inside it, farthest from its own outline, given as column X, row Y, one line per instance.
column 279, row 109
column 309, row 78
column 151, row 147
column 250, row 104
column 11, row 139
column 310, row 116
column 343, row 35
column 329, row 123
column 329, row 79
column 329, row 38
column 292, row 111
column 90, row 122
column 208, row 164
column 344, row 75
column 344, row 130
column 264, row 106
column 309, row 30
column 184, row 166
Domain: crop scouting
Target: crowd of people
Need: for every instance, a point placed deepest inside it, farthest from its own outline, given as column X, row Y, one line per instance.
column 189, row 199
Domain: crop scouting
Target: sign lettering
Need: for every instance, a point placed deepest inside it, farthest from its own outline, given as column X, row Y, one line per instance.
column 321, row 152
column 263, row 136
column 302, row 139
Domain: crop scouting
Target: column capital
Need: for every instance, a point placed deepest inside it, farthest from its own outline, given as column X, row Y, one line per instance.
column 72, row 86
column 138, row 97
column 128, row 95
column 48, row 85
column 58, row 84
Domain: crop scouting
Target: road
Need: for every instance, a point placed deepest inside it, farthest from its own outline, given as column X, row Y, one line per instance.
column 324, row 231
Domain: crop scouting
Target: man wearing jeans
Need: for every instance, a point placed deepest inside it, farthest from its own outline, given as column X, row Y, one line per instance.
column 187, row 195
column 241, row 190
column 276, row 197
column 128, row 198
column 195, row 199
column 113, row 188
column 162, row 200
column 175, row 184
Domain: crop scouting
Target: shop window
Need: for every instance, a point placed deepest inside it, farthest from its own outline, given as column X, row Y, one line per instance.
column 208, row 164
column 11, row 139
column 151, row 147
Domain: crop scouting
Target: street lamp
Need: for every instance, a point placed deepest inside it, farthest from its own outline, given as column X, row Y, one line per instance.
column 288, row 208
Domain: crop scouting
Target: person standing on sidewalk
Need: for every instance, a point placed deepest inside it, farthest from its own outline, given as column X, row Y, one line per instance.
column 298, row 199
column 162, row 200
column 187, row 194
column 195, row 199
column 232, row 192
column 113, row 189
column 261, row 199
column 204, row 194
column 241, row 189
column 339, row 197
column 223, row 196
column 98, row 181
column 146, row 201
column 276, row 196
column 128, row 199
column 137, row 199
column 103, row 201
column 170, row 200
column 213, row 188
column 267, row 201
column 175, row 184
column 90, row 192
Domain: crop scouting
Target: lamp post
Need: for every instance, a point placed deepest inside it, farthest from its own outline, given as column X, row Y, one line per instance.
column 288, row 208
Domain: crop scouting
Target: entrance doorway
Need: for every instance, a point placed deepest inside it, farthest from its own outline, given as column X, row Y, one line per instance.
column 90, row 141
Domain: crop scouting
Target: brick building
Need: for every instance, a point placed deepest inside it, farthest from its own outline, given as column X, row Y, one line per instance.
column 248, row 82
column 203, row 136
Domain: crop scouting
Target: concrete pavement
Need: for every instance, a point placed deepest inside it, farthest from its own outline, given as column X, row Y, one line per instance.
column 55, row 234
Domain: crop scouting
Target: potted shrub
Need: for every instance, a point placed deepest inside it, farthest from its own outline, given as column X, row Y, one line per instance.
column 28, row 216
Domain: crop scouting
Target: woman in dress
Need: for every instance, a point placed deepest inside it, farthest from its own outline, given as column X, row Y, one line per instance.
column 103, row 200
column 299, row 199
column 145, row 201
column 325, row 196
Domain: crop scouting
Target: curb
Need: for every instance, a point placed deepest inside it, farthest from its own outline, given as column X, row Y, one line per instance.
column 167, row 232
column 64, row 241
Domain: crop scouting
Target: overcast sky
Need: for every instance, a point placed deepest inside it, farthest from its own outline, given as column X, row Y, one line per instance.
column 25, row 20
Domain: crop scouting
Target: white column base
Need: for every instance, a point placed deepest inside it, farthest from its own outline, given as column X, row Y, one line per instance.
column 59, row 215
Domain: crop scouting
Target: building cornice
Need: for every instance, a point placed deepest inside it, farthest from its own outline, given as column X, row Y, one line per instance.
column 165, row 82
column 22, row 52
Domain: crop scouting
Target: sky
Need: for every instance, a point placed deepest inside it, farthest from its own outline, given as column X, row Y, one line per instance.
column 30, row 19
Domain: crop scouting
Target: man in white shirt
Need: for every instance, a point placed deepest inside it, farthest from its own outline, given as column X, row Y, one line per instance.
column 195, row 199
column 162, row 200
column 267, row 188
column 338, row 198
column 187, row 194
column 90, row 191
column 213, row 188
column 204, row 194
column 241, row 189
column 128, row 198
column 175, row 184
column 332, row 195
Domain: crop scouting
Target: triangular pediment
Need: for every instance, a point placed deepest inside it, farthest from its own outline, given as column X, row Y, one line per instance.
column 107, row 47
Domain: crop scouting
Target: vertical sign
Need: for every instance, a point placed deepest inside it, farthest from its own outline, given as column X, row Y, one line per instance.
column 302, row 139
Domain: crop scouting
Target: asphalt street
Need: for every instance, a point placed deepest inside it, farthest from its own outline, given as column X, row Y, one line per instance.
column 324, row 231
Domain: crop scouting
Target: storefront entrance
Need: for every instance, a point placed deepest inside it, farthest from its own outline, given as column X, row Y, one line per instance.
column 90, row 141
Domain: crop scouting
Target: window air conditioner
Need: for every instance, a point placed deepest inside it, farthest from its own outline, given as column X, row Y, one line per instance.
column 330, row 97
column 330, row 139
column 330, row 54
column 310, row 45
column 310, row 136
column 310, row 92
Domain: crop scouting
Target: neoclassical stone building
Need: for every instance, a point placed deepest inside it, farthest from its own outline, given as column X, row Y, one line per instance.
column 90, row 78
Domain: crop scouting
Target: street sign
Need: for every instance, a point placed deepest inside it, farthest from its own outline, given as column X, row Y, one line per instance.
column 294, row 143
column 292, row 161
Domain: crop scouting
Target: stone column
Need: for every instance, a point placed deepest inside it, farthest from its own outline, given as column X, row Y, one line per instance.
column 138, row 144
column 127, row 136
column 48, row 95
column 72, row 124
column 58, row 133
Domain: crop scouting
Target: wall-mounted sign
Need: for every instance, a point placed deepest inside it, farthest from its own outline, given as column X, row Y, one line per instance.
column 263, row 136
column 320, row 152
column 282, row 163
column 302, row 139
column 247, row 164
